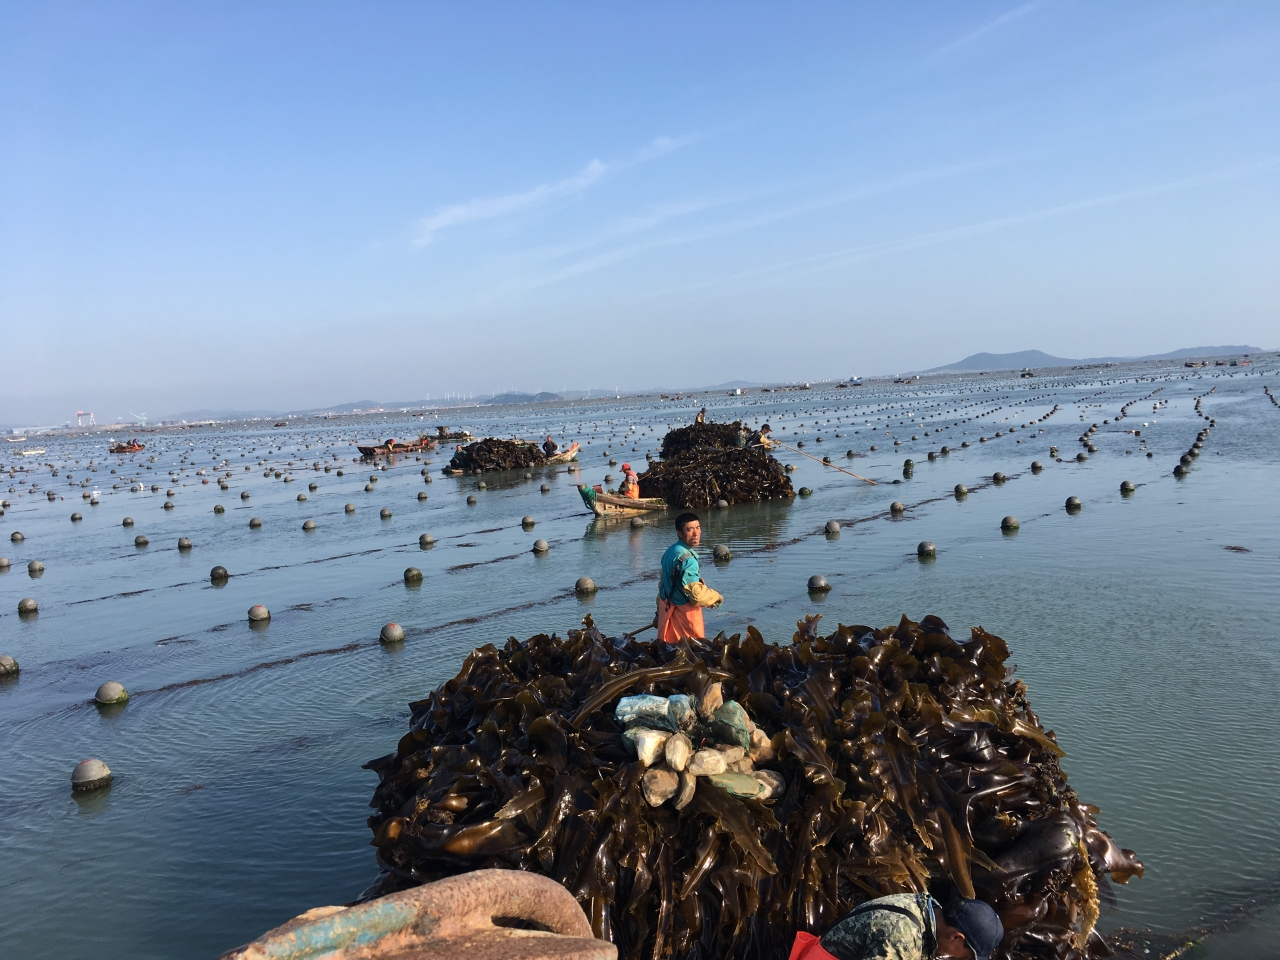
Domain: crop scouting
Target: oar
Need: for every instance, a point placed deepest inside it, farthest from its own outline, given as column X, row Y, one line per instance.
column 832, row 465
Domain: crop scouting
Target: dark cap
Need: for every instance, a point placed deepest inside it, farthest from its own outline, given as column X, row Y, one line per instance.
column 980, row 925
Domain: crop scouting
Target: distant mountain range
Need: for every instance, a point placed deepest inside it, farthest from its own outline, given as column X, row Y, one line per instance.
column 1038, row 358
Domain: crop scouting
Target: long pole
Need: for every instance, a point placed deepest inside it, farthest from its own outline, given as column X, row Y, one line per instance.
column 831, row 465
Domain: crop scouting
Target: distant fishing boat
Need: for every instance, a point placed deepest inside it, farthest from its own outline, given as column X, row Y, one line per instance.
column 615, row 505
column 16, row 439
column 32, row 453
column 392, row 447
column 133, row 446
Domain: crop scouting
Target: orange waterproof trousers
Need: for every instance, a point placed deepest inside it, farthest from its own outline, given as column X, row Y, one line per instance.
column 678, row 622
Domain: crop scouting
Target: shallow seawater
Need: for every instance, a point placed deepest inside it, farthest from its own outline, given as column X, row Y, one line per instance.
column 1144, row 626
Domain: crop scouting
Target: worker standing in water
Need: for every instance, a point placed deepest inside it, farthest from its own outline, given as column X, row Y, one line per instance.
column 682, row 595
column 630, row 486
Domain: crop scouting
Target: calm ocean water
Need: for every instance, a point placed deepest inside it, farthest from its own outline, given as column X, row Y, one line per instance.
column 1145, row 627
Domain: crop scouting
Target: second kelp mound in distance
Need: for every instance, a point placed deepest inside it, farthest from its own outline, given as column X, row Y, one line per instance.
column 885, row 761
column 704, row 463
column 493, row 453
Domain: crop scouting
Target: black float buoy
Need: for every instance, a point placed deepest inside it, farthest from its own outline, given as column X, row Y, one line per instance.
column 897, row 508
column 184, row 543
column 385, row 513
column 218, row 575
column 960, row 490
column 832, row 526
column 818, row 584
column 140, row 541
column 1127, row 487
column 412, row 575
column 255, row 523
column 308, row 525
column 1073, row 505
column 391, row 633
column 997, row 477
column 426, row 540
column 1036, row 466
column 925, row 548
column 541, row 546
column 1009, row 524
column 584, row 586
column 720, row 553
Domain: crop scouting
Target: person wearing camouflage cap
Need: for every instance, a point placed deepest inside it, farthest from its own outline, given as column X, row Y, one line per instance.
column 907, row 926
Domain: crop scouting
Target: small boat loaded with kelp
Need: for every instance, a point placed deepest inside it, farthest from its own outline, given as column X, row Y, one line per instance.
column 132, row 446
column 495, row 453
column 392, row 447
column 604, row 504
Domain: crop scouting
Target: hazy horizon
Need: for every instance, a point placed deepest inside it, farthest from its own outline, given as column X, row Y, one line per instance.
column 295, row 206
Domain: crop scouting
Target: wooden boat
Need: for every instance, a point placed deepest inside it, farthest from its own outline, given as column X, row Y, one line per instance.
column 567, row 455
column 133, row 446
column 391, row 448
column 615, row 505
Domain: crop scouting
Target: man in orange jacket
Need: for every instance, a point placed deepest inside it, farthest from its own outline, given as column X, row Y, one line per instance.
column 630, row 486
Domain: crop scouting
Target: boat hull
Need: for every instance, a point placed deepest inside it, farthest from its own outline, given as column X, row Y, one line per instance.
column 382, row 450
column 615, row 505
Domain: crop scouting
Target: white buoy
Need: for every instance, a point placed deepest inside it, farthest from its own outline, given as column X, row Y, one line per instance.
column 91, row 774
column 111, row 692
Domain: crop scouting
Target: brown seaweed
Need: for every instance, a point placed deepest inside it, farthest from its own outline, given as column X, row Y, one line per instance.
column 705, row 463
column 494, row 453
column 911, row 762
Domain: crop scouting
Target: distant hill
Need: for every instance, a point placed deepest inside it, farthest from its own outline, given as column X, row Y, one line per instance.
column 1038, row 358
column 521, row 398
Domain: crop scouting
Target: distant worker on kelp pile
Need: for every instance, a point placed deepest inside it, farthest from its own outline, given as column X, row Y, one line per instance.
column 550, row 447
column 701, row 417
column 681, row 593
column 630, row 486
column 758, row 438
column 906, row 926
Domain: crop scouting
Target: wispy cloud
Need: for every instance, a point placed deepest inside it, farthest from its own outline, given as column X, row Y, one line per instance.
column 491, row 208
column 836, row 259
column 1017, row 13
column 710, row 231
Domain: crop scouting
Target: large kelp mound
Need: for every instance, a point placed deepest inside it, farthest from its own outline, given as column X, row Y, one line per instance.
column 702, row 477
column 493, row 453
column 700, row 436
column 704, row 463
column 891, row 760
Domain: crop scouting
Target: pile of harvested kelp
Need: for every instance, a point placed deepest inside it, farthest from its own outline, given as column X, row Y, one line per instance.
column 493, row 453
column 860, row 764
column 704, row 463
column 701, row 436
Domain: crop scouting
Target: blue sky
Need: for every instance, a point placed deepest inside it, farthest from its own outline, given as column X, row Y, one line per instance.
column 284, row 205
